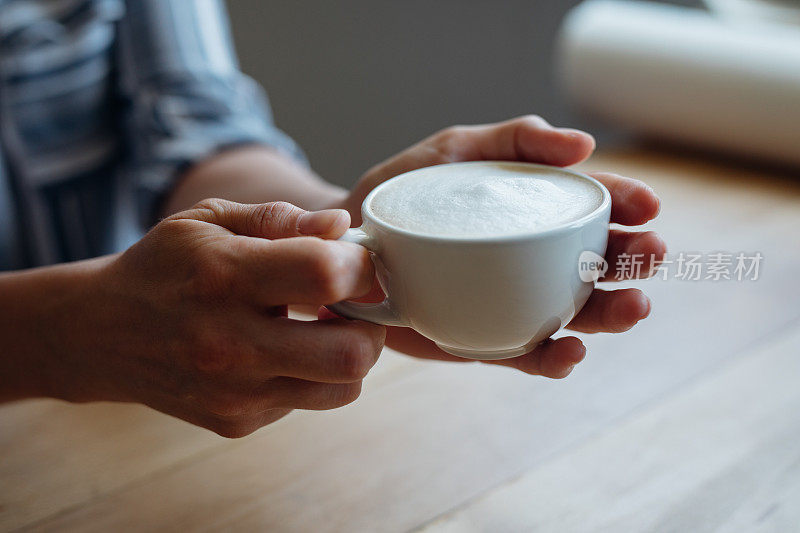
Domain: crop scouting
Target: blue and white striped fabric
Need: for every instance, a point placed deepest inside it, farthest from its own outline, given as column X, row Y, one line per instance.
column 102, row 104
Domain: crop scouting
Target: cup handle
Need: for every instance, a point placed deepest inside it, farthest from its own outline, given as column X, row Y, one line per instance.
column 379, row 313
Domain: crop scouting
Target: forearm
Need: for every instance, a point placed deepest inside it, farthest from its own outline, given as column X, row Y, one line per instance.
column 253, row 174
column 40, row 311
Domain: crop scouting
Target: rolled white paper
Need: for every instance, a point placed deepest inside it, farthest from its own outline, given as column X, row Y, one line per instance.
column 783, row 11
column 684, row 74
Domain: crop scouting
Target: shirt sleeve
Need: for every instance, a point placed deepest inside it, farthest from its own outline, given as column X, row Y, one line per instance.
column 185, row 96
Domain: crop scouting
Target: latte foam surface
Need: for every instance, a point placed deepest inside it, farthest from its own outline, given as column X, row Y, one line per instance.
column 480, row 200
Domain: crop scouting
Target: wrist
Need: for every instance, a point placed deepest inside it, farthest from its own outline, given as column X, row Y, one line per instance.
column 44, row 316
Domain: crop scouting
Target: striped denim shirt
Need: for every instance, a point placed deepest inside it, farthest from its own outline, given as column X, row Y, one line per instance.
column 102, row 104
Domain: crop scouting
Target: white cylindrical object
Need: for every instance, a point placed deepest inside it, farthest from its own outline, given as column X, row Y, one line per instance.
column 782, row 11
column 683, row 74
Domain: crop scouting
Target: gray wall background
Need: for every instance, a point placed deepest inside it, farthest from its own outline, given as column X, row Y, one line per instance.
column 354, row 81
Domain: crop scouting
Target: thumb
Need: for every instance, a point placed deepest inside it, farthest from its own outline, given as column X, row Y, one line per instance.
column 274, row 220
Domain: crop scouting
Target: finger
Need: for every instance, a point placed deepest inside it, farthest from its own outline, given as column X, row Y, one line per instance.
column 633, row 255
column 552, row 358
column 275, row 220
column 232, row 427
column 302, row 270
column 632, row 202
column 529, row 138
column 328, row 351
column 611, row 311
column 292, row 393
column 323, row 313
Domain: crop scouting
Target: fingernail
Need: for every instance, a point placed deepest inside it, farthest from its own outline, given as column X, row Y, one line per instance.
column 577, row 134
column 318, row 222
column 649, row 307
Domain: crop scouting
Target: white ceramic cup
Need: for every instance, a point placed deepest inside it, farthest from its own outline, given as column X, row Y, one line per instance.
column 480, row 298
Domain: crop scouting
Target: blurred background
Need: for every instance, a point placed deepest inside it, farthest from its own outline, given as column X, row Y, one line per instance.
column 355, row 81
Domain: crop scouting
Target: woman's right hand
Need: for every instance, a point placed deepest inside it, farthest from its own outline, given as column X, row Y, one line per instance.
column 192, row 320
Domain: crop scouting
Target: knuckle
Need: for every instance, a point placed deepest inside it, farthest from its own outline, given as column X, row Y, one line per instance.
column 329, row 272
column 272, row 215
column 356, row 357
column 208, row 210
column 533, row 120
column 215, row 205
column 453, row 132
column 213, row 353
column 175, row 227
column 232, row 429
column 449, row 143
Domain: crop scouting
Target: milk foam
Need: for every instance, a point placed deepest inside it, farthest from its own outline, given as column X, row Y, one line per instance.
column 484, row 199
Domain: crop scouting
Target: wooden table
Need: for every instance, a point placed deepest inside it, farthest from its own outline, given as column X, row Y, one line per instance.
column 690, row 422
